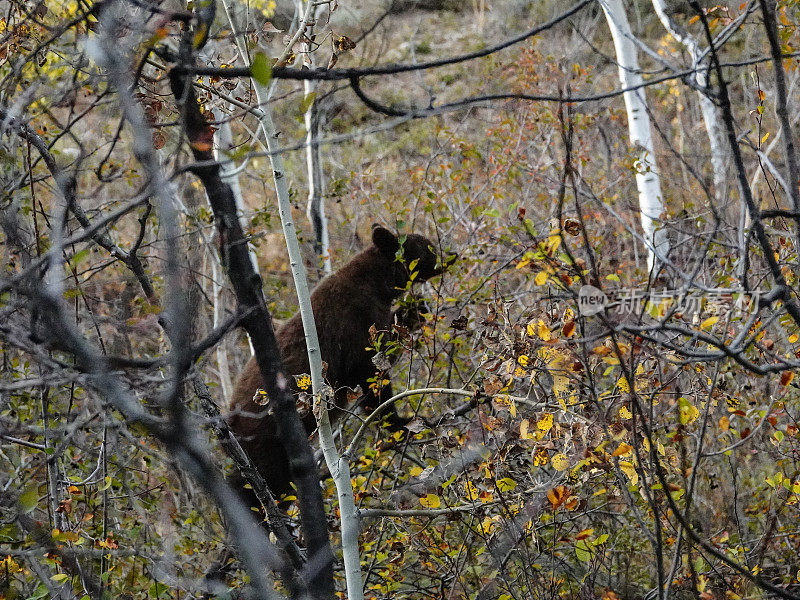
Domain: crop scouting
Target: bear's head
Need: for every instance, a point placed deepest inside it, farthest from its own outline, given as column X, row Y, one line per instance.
column 414, row 256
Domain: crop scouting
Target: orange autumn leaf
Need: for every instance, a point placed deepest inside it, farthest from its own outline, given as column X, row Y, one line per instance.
column 201, row 146
column 557, row 495
column 569, row 329
column 622, row 449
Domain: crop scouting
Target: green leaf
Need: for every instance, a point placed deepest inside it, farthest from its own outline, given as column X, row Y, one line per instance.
column 307, row 102
column 582, row 551
column 29, row 498
column 506, row 484
column 260, row 69
column 79, row 257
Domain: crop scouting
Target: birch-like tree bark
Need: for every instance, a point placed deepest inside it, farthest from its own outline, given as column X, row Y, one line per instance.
column 651, row 203
column 338, row 467
column 315, row 209
column 720, row 155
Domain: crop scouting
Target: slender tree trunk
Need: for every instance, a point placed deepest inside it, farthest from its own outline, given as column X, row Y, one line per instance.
column 316, row 203
column 782, row 109
column 720, row 156
column 338, row 467
column 258, row 324
column 651, row 204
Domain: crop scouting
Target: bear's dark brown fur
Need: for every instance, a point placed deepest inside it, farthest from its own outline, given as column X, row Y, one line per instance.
column 345, row 305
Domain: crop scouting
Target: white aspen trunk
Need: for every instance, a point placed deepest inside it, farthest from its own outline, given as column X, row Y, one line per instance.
column 210, row 258
column 647, row 180
column 718, row 144
column 339, row 468
column 315, row 210
column 223, row 366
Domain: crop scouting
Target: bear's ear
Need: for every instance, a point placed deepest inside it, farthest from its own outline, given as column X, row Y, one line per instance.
column 385, row 240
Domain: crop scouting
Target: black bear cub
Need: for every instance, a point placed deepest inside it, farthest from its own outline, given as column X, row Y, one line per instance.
column 345, row 305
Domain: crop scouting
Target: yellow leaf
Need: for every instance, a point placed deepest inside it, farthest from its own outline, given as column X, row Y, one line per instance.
column 430, row 501
column 623, row 386
column 709, row 322
column 487, row 525
column 560, row 461
column 531, row 328
column 541, row 278
column 415, row 471
column 540, row 457
column 624, row 413
column 764, row 139
column 793, row 338
column 543, row 331
column 471, row 491
column 546, row 422
column 505, row 403
column 553, row 242
column 560, row 383
column 524, row 434
column 629, row 470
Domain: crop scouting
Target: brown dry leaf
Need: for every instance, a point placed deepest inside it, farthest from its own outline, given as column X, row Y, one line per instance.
column 159, row 139
column 572, row 226
column 786, row 378
column 344, row 44
column 268, row 27
column 492, row 385
column 354, row 394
